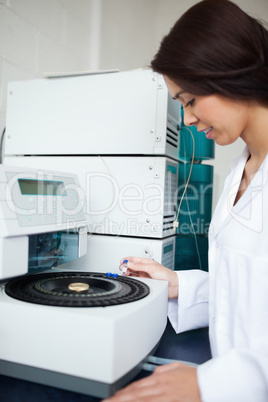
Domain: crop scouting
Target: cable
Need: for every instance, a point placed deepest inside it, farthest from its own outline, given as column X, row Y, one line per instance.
column 187, row 203
column 1, row 144
column 176, row 223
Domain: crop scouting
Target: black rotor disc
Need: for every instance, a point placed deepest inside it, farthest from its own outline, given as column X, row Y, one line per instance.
column 93, row 289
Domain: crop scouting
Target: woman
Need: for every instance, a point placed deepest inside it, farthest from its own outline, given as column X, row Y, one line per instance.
column 215, row 62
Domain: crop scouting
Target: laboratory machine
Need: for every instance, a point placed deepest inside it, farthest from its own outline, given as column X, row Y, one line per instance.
column 126, row 195
column 160, row 250
column 119, row 132
column 118, row 113
column 61, row 324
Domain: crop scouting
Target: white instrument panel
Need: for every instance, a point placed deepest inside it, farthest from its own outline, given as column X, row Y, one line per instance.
column 36, row 201
column 115, row 113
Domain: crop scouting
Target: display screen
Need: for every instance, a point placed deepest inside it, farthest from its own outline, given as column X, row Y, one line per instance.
column 41, row 187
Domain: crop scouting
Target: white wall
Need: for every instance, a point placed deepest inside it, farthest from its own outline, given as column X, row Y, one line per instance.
column 132, row 30
column 124, row 45
column 38, row 36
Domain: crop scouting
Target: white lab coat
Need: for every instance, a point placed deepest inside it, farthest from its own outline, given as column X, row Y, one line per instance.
column 237, row 290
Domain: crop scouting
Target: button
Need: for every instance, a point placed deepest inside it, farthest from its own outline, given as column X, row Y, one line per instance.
column 108, row 274
column 115, row 275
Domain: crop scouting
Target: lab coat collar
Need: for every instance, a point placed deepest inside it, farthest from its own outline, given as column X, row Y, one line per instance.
column 240, row 159
column 225, row 211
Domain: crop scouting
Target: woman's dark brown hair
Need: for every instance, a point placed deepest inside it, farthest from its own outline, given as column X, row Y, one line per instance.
column 216, row 48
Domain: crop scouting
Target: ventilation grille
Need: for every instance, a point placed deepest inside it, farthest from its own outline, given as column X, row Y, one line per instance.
column 172, row 138
column 168, row 223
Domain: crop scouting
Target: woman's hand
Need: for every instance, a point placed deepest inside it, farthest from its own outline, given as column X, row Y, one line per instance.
column 169, row 383
column 146, row 268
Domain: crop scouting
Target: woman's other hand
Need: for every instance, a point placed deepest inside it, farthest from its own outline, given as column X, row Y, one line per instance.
column 172, row 382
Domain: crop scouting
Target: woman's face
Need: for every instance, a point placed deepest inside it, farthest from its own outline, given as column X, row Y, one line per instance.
column 222, row 119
